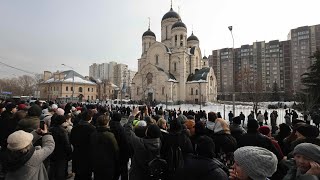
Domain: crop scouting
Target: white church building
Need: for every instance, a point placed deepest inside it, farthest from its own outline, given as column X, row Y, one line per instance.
column 173, row 69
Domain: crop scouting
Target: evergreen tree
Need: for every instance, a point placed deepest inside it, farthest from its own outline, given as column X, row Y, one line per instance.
column 311, row 81
column 275, row 92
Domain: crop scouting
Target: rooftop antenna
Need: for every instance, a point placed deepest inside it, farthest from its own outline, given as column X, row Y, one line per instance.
column 171, row 4
column 149, row 23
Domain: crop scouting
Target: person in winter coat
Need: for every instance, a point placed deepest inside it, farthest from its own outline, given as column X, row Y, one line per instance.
column 260, row 118
column 254, row 138
column 219, row 131
column 80, row 139
column 236, row 129
column 266, row 117
column 62, row 151
column 306, row 163
column 7, row 123
column 203, row 165
column 253, row 163
column 265, row 130
column 104, row 150
column 32, row 121
column 120, row 135
column 145, row 149
column 25, row 162
column 306, row 134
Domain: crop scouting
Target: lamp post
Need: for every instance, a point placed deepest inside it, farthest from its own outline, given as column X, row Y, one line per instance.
column 72, row 80
column 233, row 94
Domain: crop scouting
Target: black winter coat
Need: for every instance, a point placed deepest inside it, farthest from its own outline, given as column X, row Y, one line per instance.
column 62, row 150
column 198, row 167
column 104, row 154
column 7, row 126
column 257, row 139
column 80, row 139
column 120, row 135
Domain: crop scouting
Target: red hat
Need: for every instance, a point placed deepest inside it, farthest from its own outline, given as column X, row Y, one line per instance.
column 265, row 130
column 22, row 107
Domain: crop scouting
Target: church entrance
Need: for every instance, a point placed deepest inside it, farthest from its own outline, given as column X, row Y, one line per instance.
column 150, row 97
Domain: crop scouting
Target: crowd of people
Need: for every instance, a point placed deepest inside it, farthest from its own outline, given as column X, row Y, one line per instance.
column 39, row 140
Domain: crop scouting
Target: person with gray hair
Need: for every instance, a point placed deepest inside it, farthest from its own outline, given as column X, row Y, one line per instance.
column 253, row 163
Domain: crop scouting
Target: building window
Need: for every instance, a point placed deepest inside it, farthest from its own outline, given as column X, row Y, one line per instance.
column 67, row 88
column 175, row 66
column 80, row 89
column 149, row 78
column 66, row 95
column 88, row 98
column 137, row 90
column 181, row 40
column 71, row 88
column 175, row 40
column 162, row 90
column 91, row 89
column 91, row 97
column 157, row 59
column 196, row 91
column 191, row 91
column 88, row 89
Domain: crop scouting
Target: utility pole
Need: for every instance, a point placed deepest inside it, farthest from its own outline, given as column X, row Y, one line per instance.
column 233, row 58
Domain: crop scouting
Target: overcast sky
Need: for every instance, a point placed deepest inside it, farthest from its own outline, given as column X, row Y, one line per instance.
column 39, row 35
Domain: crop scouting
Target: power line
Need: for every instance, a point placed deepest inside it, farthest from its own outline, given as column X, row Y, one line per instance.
column 17, row 68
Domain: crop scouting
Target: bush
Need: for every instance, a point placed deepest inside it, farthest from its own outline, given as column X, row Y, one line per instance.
column 273, row 106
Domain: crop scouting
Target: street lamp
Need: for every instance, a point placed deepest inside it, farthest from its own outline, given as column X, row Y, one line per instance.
column 72, row 80
column 233, row 94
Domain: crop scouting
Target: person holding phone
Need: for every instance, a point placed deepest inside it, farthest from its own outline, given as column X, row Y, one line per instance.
column 24, row 161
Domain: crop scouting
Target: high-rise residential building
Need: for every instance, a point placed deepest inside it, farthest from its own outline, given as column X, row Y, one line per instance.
column 94, row 71
column 264, row 66
column 304, row 42
column 120, row 74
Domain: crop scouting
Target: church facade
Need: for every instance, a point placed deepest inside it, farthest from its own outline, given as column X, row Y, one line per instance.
column 173, row 69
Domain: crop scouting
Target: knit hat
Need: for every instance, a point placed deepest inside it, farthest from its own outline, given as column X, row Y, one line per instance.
column 34, row 110
column 205, row 147
column 19, row 140
column 182, row 118
column 22, row 107
column 265, row 130
column 308, row 131
column 153, row 131
column 258, row 163
column 10, row 106
column 175, row 126
column 60, row 111
column 252, row 125
column 141, row 124
column 309, row 150
column 236, row 120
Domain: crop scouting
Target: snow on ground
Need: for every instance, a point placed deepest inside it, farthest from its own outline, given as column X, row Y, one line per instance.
column 224, row 109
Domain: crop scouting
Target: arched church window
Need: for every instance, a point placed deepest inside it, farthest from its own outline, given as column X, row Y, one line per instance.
column 162, row 90
column 211, row 80
column 80, row 89
column 197, row 62
column 181, row 40
column 196, row 91
column 191, row 91
column 149, row 78
column 144, row 46
column 175, row 66
column 175, row 40
column 157, row 59
column 167, row 28
column 138, row 90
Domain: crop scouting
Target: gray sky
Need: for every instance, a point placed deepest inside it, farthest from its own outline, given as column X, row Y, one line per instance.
column 38, row 35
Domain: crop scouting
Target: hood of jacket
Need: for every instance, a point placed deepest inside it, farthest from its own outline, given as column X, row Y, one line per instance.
column 15, row 160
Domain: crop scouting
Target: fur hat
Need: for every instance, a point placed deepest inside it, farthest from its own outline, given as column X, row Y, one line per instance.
column 153, row 131
column 258, row 163
column 34, row 110
column 309, row 150
column 308, row 131
column 236, row 120
column 19, row 140
column 265, row 130
column 60, row 111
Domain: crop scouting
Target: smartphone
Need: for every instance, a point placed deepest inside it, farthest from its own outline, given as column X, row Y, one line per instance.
column 42, row 125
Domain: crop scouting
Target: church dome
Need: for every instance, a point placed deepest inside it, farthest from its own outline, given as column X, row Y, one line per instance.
column 192, row 38
column 179, row 24
column 171, row 14
column 148, row 33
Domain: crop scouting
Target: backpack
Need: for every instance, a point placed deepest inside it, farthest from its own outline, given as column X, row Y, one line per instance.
column 157, row 169
column 175, row 157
